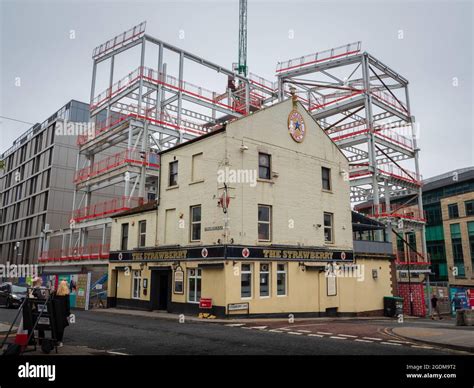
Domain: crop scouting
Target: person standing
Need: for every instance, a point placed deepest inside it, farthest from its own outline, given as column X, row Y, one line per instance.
column 435, row 307
column 63, row 310
column 457, row 302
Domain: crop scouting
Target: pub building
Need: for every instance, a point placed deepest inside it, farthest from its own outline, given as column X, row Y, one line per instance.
column 246, row 221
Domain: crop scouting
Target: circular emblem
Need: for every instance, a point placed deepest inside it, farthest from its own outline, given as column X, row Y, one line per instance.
column 296, row 126
column 204, row 252
column 245, row 252
column 343, row 255
column 120, row 256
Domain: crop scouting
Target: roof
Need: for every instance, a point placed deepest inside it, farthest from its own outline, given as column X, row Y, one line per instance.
column 446, row 179
column 146, row 207
column 361, row 223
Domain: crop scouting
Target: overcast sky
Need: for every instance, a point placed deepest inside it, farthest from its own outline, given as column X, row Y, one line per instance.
column 435, row 54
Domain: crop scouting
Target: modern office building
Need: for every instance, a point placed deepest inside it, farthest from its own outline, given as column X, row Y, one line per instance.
column 35, row 184
column 249, row 217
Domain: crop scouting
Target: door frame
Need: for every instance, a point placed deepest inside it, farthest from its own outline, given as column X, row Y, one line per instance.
column 154, row 286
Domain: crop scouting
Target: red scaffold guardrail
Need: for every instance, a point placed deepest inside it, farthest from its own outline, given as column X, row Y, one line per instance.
column 114, row 119
column 414, row 258
column 361, row 169
column 89, row 252
column 106, row 208
column 321, row 56
column 390, row 100
column 119, row 40
column 400, row 211
column 135, row 157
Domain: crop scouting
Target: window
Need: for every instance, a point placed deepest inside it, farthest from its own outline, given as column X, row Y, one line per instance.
column 264, row 222
column 142, row 233
column 197, row 167
column 137, row 278
column 194, row 285
column 124, row 239
column 328, row 228
column 458, row 256
column 246, row 281
column 453, row 211
column 281, row 279
column 264, row 166
column 264, row 279
column 173, row 181
column 470, row 232
column 326, row 177
column 196, row 223
column 469, row 205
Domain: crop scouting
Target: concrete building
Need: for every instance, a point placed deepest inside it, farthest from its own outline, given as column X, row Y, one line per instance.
column 35, row 185
column 249, row 216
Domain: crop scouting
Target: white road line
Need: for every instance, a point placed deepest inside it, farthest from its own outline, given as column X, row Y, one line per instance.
column 295, row 333
column 315, row 335
column 235, row 324
column 362, row 340
column 323, row 333
column 304, row 331
column 338, row 337
column 347, row 335
column 373, row 339
column 245, row 327
column 399, row 342
column 276, row 331
column 421, row 347
column 117, row 353
column 258, row 327
column 390, row 343
column 284, row 328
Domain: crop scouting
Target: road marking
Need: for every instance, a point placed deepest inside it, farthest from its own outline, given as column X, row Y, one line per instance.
column 362, row 340
column 347, row 335
column 284, row 328
column 421, row 347
column 390, row 343
column 323, row 333
column 304, row 331
column 373, row 339
column 258, row 327
column 399, row 342
column 315, row 335
column 295, row 333
column 338, row 337
column 235, row 324
column 276, row 331
column 117, row 353
column 245, row 327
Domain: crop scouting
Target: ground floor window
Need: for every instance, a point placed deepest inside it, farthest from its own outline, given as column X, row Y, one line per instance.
column 137, row 279
column 194, row 285
column 264, row 279
column 246, row 281
column 281, row 279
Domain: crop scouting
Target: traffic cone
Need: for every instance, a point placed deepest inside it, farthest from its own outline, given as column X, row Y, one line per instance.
column 21, row 337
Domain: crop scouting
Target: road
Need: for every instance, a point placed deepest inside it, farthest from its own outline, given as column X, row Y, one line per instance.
column 135, row 335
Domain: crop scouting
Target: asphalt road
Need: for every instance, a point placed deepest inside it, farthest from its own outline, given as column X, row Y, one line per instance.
column 123, row 334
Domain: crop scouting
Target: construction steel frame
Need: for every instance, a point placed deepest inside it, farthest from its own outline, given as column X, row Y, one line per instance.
column 363, row 105
column 135, row 118
column 364, row 111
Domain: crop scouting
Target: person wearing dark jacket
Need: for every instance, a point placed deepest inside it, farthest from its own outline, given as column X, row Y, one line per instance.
column 63, row 310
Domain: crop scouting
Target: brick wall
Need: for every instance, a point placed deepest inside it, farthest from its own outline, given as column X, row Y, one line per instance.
column 419, row 308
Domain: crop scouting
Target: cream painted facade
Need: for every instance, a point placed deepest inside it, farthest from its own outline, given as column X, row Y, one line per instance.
column 298, row 203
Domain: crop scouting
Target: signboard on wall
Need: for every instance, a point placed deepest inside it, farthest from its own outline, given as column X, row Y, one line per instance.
column 331, row 285
column 178, row 281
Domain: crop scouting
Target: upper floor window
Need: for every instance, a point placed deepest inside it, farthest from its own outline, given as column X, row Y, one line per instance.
column 453, row 211
column 264, row 222
column 124, row 237
column 173, row 179
column 326, row 178
column 196, row 223
column 469, row 208
column 328, row 228
column 142, row 234
column 264, row 166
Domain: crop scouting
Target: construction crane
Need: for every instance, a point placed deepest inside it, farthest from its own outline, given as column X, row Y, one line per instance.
column 242, row 65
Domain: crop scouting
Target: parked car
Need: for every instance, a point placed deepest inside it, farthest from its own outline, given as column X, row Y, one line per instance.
column 12, row 295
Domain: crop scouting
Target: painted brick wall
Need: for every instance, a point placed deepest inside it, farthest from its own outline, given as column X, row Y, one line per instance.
column 419, row 309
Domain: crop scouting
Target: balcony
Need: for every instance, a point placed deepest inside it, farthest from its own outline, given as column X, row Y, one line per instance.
column 106, row 208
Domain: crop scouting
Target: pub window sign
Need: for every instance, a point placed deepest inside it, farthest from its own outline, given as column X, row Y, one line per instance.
column 178, row 281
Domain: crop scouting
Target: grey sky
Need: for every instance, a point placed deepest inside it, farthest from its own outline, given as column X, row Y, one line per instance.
column 437, row 46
